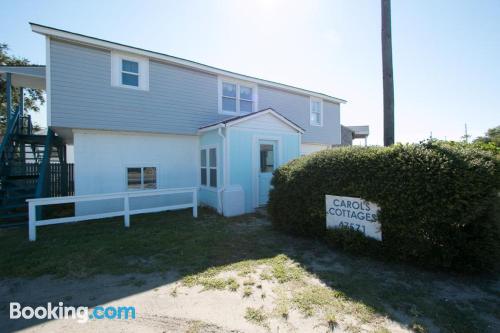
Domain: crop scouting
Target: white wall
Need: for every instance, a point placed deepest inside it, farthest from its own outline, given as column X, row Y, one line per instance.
column 101, row 159
column 309, row 148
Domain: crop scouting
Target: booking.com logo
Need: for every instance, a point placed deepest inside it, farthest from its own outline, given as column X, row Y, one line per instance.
column 80, row 313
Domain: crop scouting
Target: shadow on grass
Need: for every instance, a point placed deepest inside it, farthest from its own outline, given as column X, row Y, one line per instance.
column 175, row 245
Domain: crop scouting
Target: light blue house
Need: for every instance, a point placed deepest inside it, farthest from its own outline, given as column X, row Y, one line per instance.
column 138, row 119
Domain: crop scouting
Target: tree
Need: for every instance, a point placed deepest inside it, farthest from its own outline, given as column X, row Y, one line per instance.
column 492, row 135
column 387, row 75
column 33, row 98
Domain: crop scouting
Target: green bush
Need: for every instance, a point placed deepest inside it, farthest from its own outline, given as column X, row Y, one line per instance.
column 437, row 201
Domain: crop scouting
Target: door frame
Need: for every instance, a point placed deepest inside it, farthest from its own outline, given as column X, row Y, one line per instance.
column 256, row 162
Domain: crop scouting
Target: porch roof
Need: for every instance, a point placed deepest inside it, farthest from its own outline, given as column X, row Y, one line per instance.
column 359, row 132
column 25, row 76
column 234, row 120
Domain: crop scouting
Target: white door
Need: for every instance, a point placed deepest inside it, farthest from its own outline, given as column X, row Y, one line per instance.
column 267, row 163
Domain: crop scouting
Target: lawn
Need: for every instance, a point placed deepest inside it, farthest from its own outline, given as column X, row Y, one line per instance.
column 283, row 279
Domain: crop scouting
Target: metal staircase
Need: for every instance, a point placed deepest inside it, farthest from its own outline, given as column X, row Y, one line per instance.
column 24, row 167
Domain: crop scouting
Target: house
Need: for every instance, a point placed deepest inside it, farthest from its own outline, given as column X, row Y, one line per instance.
column 139, row 119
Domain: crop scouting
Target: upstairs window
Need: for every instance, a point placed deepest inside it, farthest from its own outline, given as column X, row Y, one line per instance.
column 208, row 159
column 141, row 178
column 237, row 98
column 130, row 73
column 316, row 112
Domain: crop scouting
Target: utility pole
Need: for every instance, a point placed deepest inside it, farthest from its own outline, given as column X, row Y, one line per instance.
column 466, row 135
column 387, row 73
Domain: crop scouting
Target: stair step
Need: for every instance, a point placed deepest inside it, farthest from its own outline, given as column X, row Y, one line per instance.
column 13, row 206
column 21, row 177
column 14, row 215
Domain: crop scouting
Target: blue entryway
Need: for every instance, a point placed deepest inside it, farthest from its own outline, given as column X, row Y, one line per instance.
column 248, row 149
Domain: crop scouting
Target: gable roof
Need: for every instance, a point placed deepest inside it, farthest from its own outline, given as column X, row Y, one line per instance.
column 235, row 120
column 88, row 40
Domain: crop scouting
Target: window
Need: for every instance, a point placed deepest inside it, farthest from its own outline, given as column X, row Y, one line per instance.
column 141, row 178
column 266, row 158
column 237, row 98
column 208, row 161
column 130, row 73
column 316, row 113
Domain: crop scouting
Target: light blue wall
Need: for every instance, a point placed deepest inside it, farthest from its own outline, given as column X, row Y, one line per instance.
column 209, row 196
column 241, row 144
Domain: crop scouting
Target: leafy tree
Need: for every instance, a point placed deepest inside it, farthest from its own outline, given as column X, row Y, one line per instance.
column 492, row 135
column 33, row 98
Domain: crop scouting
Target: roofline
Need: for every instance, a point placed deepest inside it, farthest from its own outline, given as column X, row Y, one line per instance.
column 88, row 40
column 236, row 120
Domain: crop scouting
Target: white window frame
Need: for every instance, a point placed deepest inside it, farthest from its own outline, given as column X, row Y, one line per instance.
column 207, row 167
column 142, row 166
column 314, row 99
column 238, row 83
column 116, row 70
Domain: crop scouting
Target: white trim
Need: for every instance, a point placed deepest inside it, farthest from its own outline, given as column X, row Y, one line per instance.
column 47, row 81
column 238, row 83
column 116, row 70
column 208, row 167
column 311, row 100
column 256, row 163
column 252, row 116
column 181, row 62
column 34, row 203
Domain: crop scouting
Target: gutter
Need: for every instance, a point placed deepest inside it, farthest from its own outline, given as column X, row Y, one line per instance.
column 224, row 165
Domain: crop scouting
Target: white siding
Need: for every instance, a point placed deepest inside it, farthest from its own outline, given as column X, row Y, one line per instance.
column 101, row 159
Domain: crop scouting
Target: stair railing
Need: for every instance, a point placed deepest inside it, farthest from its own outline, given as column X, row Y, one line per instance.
column 43, row 178
column 12, row 129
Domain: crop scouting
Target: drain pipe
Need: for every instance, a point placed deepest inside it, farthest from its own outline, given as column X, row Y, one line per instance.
column 224, row 163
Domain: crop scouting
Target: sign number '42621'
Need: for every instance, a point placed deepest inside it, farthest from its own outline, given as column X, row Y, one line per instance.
column 353, row 213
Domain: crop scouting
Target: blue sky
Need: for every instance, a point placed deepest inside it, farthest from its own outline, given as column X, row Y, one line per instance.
column 446, row 53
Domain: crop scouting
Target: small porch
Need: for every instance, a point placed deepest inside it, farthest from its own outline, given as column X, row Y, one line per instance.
column 238, row 157
column 32, row 161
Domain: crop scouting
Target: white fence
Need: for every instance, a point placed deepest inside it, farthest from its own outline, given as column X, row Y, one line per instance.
column 126, row 212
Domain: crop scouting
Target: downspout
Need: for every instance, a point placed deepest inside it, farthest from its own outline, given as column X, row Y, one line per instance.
column 224, row 164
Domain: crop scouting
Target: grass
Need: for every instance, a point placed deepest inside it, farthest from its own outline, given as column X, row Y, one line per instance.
column 256, row 316
column 215, row 253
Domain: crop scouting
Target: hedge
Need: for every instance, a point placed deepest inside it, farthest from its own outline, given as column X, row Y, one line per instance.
column 437, row 201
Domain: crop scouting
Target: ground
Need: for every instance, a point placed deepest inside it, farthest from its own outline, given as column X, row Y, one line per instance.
column 214, row 274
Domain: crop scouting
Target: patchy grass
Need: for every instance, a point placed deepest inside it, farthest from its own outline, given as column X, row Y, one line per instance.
column 256, row 316
column 247, row 291
column 234, row 254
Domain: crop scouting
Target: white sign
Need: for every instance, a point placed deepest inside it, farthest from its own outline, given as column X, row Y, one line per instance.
column 354, row 213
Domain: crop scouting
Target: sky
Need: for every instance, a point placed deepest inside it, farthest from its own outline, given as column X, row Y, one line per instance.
column 446, row 53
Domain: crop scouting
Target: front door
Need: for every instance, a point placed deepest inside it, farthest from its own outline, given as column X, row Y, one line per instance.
column 267, row 164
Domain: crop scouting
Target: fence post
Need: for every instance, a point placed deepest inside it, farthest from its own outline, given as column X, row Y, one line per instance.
column 126, row 209
column 195, row 203
column 32, row 221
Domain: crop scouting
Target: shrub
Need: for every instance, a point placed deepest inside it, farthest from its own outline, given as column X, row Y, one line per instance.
column 436, row 199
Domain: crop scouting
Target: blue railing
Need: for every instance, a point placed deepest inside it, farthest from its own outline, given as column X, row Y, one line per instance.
column 12, row 128
column 43, row 178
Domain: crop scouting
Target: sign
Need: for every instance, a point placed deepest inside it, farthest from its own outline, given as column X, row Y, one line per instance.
column 354, row 213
